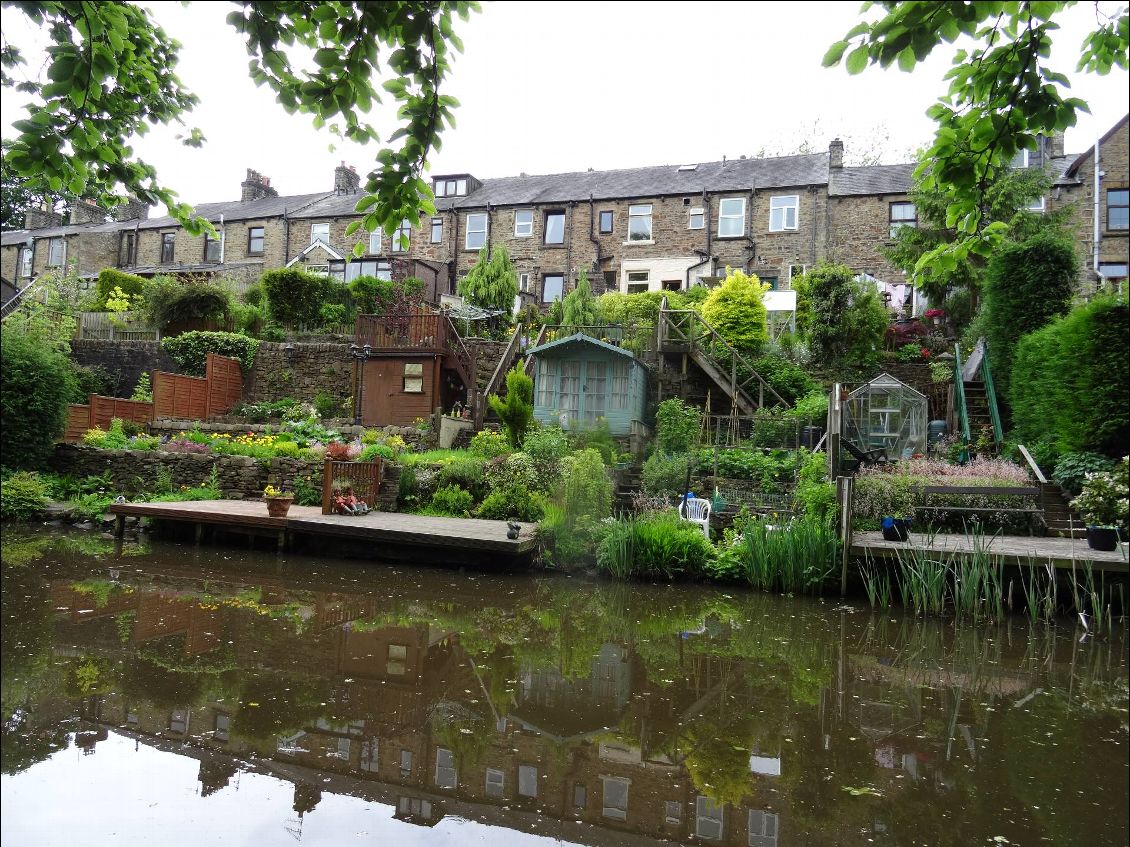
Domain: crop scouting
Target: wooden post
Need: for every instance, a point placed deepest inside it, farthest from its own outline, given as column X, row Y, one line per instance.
column 327, row 486
column 843, row 526
column 198, row 534
column 119, row 526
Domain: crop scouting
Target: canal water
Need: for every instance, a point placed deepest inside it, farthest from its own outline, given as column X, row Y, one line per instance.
column 171, row 695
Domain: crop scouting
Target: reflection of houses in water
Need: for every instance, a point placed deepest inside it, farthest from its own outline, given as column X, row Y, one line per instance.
column 563, row 707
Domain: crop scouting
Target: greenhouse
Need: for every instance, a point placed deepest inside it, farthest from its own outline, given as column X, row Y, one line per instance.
column 885, row 414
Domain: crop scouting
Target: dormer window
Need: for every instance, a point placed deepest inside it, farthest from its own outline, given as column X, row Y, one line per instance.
column 450, row 187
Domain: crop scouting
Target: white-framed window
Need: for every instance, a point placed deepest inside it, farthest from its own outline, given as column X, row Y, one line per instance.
column 546, row 382
column 450, row 187
column 783, row 212
column 708, row 822
column 402, row 237
column 555, row 227
column 615, row 797
column 221, row 729
column 621, row 385
column 523, row 223
column 1117, row 209
column 639, row 222
column 1020, row 160
column 902, row 214
column 375, row 242
column 476, row 235
column 1114, row 271
column 405, row 764
column 397, row 663
column 638, row 282
column 319, row 232
column 25, row 263
column 359, row 267
column 437, row 230
column 213, row 247
column 1039, row 205
column 762, row 828
column 527, row 780
column 446, row 776
column 795, row 273
column 56, row 252
column 731, row 217
column 552, row 287
column 370, row 755
column 496, row 781
column 673, row 811
column 524, row 282
column 696, row 218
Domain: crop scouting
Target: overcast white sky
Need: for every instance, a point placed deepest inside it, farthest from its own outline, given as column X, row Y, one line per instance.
column 548, row 87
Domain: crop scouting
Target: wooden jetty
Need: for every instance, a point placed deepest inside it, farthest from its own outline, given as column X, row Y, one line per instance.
column 1063, row 553
column 379, row 530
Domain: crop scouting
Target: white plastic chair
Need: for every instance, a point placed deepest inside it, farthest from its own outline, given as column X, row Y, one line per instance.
column 696, row 510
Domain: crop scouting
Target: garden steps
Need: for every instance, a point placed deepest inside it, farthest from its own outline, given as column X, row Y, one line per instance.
column 977, row 409
column 1061, row 519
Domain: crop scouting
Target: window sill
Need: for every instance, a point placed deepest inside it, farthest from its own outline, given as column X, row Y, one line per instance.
column 602, row 232
column 638, row 243
column 523, row 235
column 731, row 237
column 554, row 246
column 775, row 231
column 258, row 255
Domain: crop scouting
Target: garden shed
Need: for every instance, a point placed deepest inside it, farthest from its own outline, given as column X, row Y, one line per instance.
column 886, row 414
column 580, row 379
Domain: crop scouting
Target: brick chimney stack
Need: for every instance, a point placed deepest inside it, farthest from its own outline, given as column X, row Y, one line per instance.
column 1055, row 147
column 132, row 210
column 42, row 217
column 256, row 187
column 836, row 154
column 87, row 212
column 346, row 179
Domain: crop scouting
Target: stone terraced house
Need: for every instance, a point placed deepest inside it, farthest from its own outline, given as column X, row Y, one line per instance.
column 638, row 229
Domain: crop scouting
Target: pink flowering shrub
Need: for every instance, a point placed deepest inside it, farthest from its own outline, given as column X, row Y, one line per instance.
column 183, row 445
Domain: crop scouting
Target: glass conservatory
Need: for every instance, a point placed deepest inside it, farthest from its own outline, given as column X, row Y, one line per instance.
column 885, row 414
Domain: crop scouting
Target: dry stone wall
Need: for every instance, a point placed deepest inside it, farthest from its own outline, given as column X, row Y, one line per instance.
column 123, row 361
column 302, row 373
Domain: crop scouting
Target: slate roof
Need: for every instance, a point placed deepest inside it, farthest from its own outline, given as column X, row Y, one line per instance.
column 239, row 210
column 873, row 179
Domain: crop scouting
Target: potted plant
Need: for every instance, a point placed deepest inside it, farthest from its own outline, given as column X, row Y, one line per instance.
column 278, row 501
column 938, row 316
column 1103, row 503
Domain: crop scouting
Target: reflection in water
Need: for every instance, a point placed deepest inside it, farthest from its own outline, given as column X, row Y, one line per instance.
column 590, row 712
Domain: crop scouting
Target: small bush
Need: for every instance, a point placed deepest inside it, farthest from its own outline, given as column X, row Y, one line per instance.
column 23, row 495
column 37, row 385
column 409, row 485
column 736, row 311
column 465, row 473
column 786, row 378
column 516, row 409
column 517, row 468
column 586, row 489
column 546, row 446
column 451, row 500
column 1072, row 468
column 488, row 444
column 665, row 474
column 326, row 404
column 377, row 451
column 294, row 296
column 111, row 278
column 143, row 391
column 677, row 426
column 190, row 350
column 598, row 438
column 658, row 545
column 514, row 502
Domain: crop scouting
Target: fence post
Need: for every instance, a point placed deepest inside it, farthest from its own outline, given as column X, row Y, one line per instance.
column 843, row 526
column 327, row 485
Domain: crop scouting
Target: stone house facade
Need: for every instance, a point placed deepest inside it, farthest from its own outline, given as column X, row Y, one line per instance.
column 652, row 228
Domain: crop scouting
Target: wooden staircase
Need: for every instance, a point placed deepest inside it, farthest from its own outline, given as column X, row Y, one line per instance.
column 686, row 332
column 977, row 409
column 1062, row 521
column 628, row 485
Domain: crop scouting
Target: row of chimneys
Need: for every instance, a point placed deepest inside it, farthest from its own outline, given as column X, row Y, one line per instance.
column 1053, row 149
column 257, row 186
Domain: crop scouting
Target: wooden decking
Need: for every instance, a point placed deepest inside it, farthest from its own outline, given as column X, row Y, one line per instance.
column 378, row 528
column 1014, row 549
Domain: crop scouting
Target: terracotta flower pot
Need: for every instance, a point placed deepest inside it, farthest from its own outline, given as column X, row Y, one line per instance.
column 277, row 507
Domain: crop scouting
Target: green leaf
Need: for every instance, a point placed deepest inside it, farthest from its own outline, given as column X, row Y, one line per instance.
column 857, row 60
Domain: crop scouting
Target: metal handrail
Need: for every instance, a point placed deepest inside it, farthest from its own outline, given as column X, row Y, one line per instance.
column 991, row 395
column 959, row 394
column 17, row 300
column 529, row 367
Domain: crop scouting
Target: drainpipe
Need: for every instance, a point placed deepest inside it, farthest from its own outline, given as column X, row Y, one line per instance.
column 594, row 239
column 455, row 249
column 286, row 236
column 1098, row 229
column 707, row 222
column 687, row 284
column 570, row 214
column 222, row 234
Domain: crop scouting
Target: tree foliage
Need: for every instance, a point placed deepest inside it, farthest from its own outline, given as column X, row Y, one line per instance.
column 295, row 296
column 492, row 282
column 1003, row 94
column 1027, row 285
column 736, row 310
column 844, row 320
column 37, row 385
column 190, row 350
column 111, row 73
column 168, row 300
column 516, row 409
column 579, row 306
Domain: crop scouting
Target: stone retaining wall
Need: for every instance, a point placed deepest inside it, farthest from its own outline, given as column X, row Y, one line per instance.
column 302, row 372
column 123, row 361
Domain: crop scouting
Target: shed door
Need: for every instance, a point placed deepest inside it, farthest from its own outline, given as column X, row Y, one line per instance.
column 595, row 390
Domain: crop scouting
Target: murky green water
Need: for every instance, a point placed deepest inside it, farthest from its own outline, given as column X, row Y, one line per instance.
column 169, row 695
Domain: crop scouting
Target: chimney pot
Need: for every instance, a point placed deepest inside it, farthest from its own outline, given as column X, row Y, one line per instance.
column 346, row 180
column 256, row 187
column 87, row 212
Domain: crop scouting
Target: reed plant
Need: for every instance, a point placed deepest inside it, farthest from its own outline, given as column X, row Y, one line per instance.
column 660, row 545
column 877, row 583
column 792, row 558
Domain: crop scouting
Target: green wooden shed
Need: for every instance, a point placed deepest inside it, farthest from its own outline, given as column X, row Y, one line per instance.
column 580, row 379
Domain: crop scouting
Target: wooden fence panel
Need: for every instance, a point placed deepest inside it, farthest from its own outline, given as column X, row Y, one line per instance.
column 365, row 477
column 78, row 422
column 176, row 396
column 105, row 409
column 225, row 384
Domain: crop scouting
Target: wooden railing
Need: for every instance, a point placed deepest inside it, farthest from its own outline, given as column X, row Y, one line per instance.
column 18, row 299
column 104, row 326
column 690, row 330
column 505, row 363
column 388, row 333
column 542, row 335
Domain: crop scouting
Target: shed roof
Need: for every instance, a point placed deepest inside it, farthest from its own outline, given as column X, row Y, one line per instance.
column 580, row 338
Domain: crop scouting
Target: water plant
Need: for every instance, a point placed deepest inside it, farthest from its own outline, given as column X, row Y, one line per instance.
column 660, row 545
column 797, row 556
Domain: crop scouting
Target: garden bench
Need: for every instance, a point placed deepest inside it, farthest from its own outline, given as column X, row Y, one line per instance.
column 1030, row 499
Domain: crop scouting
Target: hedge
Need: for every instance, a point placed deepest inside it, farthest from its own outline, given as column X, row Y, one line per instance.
column 190, row 350
column 38, row 382
column 1070, row 380
column 111, row 278
column 295, row 296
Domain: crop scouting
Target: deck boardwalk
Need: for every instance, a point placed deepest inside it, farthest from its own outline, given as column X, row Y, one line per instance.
column 1015, row 549
column 392, row 528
